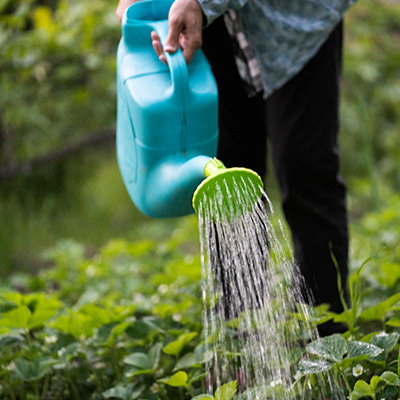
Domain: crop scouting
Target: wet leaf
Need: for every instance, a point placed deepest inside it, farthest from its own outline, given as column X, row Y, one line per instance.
column 307, row 367
column 386, row 342
column 226, row 392
column 331, row 348
column 361, row 350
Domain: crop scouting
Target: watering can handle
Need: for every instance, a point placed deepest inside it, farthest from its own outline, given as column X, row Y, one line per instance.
column 177, row 66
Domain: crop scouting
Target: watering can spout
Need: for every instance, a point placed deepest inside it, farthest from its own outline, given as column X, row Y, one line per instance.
column 170, row 187
column 220, row 184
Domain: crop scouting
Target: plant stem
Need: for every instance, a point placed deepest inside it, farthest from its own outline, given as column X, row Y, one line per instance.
column 398, row 363
column 36, row 389
column 346, row 382
column 45, row 385
column 11, row 391
column 181, row 394
column 27, row 337
column 304, row 389
column 74, row 389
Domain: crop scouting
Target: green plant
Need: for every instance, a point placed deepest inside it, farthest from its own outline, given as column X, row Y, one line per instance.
column 347, row 360
column 122, row 324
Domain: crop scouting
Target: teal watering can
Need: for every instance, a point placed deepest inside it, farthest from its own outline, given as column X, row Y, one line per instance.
column 167, row 118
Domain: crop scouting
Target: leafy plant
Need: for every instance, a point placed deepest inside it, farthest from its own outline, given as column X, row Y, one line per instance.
column 125, row 321
column 122, row 324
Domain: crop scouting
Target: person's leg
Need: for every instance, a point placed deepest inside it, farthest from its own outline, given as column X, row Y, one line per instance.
column 242, row 130
column 303, row 120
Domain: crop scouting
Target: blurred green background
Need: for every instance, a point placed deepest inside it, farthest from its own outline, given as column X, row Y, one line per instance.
column 58, row 172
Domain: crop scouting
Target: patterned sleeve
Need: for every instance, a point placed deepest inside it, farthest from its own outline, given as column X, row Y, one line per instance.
column 212, row 9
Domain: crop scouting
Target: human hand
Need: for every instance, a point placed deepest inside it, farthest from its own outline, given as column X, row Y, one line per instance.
column 185, row 30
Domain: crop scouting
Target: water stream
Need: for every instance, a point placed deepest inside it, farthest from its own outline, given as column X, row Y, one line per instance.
column 251, row 287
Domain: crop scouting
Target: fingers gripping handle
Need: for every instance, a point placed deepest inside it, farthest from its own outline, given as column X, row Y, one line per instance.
column 153, row 15
column 177, row 66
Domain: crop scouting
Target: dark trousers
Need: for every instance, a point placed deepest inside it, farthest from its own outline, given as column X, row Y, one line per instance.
column 301, row 121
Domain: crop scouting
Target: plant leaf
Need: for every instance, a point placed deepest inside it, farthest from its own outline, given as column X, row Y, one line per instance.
column 75, row 323
column 154, row 355
column 125, row 392
column 361, row 389
column 203, row 397
column 386, row 342
column 40, row 316
column 118, row 392
column 16, row 318
column 9, row 339
column 29, row 371
column 187, row 361
column 140, row 361
column 395, row 322
column 391, row 378
column 375, row 381
column 175, row 347
column 379, row 311
column 361, row 350
column 99, row 316
column 226, row 392
column 331, row 348
column 177, row 380
column 307, row 367
column 202, row 355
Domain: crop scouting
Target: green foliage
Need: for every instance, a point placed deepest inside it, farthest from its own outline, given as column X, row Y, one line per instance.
column 359, row 352
column 371, row 93
column 91, row 327
column 57, row 66
column 57, row 87
column 124, row 322
column 364, row 362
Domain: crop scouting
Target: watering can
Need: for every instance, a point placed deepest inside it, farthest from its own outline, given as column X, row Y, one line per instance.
column 167, row 119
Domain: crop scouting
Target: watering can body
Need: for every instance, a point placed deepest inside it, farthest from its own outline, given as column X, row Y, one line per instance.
column 167, row 118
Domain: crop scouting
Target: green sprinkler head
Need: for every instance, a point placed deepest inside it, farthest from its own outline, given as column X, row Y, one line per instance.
column 228, row 185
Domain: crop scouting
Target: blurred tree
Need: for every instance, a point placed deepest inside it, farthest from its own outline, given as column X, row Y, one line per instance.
column 57, row 79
